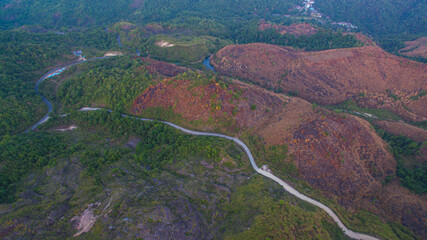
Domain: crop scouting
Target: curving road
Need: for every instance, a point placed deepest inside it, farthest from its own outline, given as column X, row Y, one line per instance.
column 286, row 186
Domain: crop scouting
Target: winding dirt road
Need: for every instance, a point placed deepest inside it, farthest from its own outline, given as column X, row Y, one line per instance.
column 286, row 186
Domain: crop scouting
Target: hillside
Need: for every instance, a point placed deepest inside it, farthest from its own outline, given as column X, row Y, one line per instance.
column 296, row 139
column 107, row 180
column 368, row 75
column 300, row 142
column 213, row 119
column 320, row 144
column 416, row 48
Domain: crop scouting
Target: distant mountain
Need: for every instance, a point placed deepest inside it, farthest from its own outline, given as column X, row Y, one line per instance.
column 379, row 17
column 90, row 12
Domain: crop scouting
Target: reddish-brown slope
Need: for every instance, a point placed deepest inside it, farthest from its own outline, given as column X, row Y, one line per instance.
column 294, row 29
column 213, row 102
column 416, row 48
column 332, row 76
column 367, row 41
column 155, row 67
column 350, row 165
column 342, row 155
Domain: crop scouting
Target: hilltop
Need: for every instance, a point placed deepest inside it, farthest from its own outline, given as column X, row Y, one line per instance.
column 368, row 75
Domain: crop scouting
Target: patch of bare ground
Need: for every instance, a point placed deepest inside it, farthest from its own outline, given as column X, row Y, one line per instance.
column 162, row 68
column 85, row 221
column 65, row 128
column 337, row 153
column 296, row 29
column 164, row 44
column 416, row 48
column 331, row 76
column 112, row 54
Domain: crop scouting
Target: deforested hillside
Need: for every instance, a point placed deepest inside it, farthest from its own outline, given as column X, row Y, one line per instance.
column 295, row 139
column 367, row 74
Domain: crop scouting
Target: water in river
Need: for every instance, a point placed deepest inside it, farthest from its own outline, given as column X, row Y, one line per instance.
column 208, row 65
column 118, row 41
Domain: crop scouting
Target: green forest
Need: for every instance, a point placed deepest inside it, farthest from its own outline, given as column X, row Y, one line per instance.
column 142, row 176
column 27, row 53
column 390, row 22
column 322, row 40
column 113, row 82
column 120, row 157
column 160, row 146
column 404, row 148
column 97, row 12
column 25, row 57
column 379, row 17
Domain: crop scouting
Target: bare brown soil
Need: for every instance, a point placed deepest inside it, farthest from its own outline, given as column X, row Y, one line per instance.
column 64, row 128
column 210, row 102
column 112, row 54
column 367, row 41
column 339, row 154
column 417, row 48
column 331, row 76
column 84, row 222
column 155, row 67
column 294, row 29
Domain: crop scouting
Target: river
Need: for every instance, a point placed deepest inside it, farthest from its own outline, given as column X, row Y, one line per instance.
column 207, row 64
column 47, row 102
column 118, row 41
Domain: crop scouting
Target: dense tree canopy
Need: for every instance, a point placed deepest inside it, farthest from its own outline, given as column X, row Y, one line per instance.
column 414, row 178
column 91, row 12
column 379, row 17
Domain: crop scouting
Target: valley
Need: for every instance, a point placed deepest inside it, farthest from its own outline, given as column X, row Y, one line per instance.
column 236, row 88
column 267, row 174
column 251, row 119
